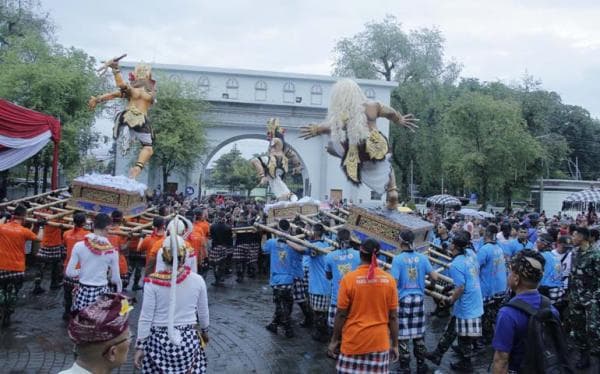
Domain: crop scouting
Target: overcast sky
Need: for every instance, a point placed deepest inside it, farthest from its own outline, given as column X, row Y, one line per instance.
column 555, row 41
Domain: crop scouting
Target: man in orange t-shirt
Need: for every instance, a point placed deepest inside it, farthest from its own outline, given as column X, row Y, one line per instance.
column 366, row 318
column 70, row 237
column 137, row 258
column 120, row 243
column 199, row 239
column 50, row 256
column 148, row 243
column 12, row 260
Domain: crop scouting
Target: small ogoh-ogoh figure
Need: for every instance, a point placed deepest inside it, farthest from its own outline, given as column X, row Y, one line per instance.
column 272, row 168
column 132, row 122
column 355, row 139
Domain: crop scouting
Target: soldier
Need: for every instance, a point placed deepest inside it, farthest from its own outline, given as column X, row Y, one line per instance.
column 584, row 298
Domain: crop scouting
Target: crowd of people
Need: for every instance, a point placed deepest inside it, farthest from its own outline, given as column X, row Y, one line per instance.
column 497, row 273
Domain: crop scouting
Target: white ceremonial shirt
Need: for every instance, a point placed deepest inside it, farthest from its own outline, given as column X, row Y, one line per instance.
column 191, row 305
column 75, row 369
column 94, row 267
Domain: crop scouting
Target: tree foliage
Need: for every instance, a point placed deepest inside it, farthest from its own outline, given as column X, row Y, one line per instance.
column 179, row 132
column 233, row 171
column 552, row 135
column 41, row 75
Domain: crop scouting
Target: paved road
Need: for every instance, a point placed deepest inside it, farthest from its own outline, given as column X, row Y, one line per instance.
column 37, row 341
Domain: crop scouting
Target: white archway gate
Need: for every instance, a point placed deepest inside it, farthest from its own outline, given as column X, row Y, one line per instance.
column 241, row 111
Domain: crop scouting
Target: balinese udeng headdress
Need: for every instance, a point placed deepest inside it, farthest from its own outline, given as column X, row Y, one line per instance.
column 372, row 247
column 528, row 264
column 175, row 227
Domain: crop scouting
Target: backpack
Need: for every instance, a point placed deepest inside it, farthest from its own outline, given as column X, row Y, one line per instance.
column 546, row 350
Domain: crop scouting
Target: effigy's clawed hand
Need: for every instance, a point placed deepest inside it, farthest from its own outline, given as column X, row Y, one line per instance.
column 409, row 121
column 310, row 131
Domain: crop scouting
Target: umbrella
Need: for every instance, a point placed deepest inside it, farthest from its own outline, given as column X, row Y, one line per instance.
column 470, row 213
column 444, row 202
column 486, row 214
column 582, row 200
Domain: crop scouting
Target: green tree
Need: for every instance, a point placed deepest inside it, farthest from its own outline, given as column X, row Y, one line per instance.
column 233, row 171
column 486, row 145
column 179, row 132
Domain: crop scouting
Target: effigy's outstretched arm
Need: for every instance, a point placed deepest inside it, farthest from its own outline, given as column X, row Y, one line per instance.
column 294, row 160
column 260, row 171
column 95, row 100
column 312, row 130
column 408, row 121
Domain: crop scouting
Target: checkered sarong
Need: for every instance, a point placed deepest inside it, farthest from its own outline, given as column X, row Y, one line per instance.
column 217, row 253
column 11, row 276
column 468, row 327
column 253, row 252
column 51, row 253
column 411, row 317
column 331, row 315
column 162, row 356
column 319, row 303
column 300, row 290
column 86, row 295
column 555, row 294
column 241, row 252
column 369, row 363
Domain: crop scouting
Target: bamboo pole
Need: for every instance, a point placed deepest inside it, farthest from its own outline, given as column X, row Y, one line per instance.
column 330, row 215
column 33, row 197
column 385, row 265
column 439, row 254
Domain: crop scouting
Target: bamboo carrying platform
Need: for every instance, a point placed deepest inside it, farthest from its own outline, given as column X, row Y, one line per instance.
column 101, row 199
column 57, row 210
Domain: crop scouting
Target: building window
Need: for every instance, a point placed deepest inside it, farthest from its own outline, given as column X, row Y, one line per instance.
column 203, row 85
column 232, row 87
column 260, row 91
column 289, row 92
column 375, row 195
column 370, row 93
column 316, row 95
column 175, row 78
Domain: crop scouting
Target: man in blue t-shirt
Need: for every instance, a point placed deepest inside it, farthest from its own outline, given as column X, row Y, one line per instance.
column 510, row 337
column 284, row 260
column 319, row 287
column 337, row 264
column 492, row 277
column 520, row 243
column 551, row 283
column 467, row 306
column 409, row 269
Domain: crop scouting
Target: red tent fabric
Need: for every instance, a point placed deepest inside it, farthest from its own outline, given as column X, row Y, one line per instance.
column 23, row 133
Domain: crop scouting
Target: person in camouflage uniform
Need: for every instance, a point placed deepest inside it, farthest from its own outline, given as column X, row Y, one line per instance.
column 584, row 297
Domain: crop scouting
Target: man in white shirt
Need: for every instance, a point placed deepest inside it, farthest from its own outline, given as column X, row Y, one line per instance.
column 96, row 256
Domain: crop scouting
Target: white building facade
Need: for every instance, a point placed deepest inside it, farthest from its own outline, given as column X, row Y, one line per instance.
column 241, row 102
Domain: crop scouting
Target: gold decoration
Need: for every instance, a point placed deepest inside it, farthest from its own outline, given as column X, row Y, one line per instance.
column 273, row 127
column 376, row 145
column 134, row 117
column 125, row 307
column 351, row 163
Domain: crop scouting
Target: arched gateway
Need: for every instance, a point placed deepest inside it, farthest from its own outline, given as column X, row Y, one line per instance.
column 241, row 102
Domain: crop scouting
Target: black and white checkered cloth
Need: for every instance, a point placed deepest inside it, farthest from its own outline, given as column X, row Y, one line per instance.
column 86, row 295
column 331, row 315
column 300, row 290
column 555, row 294
column 582, row 200
column 51, row 253
column 162, row 356
column 241, row 252
column 468, row 327
column 446, row 201
column 9, row 275
column 411, row 317
column 319, row 303
column 253, row 252
column 217, row 253
column 70, row 282
column 371, row 363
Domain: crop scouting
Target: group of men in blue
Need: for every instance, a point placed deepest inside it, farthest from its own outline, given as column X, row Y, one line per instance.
column 484, row 278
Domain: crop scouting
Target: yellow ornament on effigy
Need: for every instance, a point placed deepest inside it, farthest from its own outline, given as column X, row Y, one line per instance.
column 125, row 307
